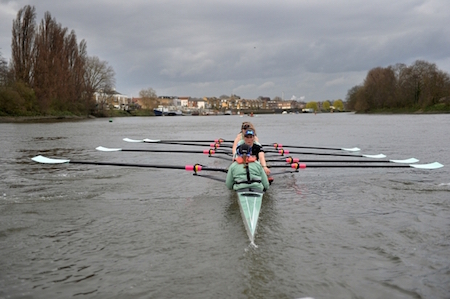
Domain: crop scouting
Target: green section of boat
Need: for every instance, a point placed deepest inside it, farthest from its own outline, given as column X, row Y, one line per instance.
column 250, row 206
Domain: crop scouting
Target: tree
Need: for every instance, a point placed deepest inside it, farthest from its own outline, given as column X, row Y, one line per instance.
column 418, row 86
column 99, row 79
column 380, row 85
column 149, row 98
column 352, row 97
column 99, row 75
column 48, row 62
column 48, row 59
column 3, row 71
column 22, row 45
column 339, row 105
column 326, row 105
column 59, row 68
column 312, row 105
column 104, row 98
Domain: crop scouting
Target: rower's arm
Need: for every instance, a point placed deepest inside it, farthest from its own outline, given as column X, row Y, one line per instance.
column 265, row 180
column 262, row 160
column 235, row 144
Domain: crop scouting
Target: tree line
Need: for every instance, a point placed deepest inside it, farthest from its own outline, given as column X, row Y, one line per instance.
column 50, row 72
column 419, row 86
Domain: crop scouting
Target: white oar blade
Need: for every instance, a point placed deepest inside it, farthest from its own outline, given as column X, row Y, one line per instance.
column 405, row 161
column 132, row 140
column 434, row 165
column 105, row 149
column 42, row 159
column 353, row 149
column 379, row 156
column 151, row 140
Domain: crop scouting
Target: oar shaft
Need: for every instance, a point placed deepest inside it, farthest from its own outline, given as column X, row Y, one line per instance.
column 279, row 146
column 220, row 140
column 301, row 166
column 212, row 145
column 282, row 152
column 352, row 166
column 127, row 164
column 195, row 168
column 429, row 166
column 208, row 151
column 328, row 161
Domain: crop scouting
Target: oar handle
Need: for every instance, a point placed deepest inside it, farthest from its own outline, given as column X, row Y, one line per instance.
column 198, row 167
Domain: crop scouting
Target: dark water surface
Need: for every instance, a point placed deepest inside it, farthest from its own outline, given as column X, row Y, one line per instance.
column 116, row 232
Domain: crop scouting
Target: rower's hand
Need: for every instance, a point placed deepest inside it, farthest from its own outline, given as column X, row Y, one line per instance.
column 266, row 170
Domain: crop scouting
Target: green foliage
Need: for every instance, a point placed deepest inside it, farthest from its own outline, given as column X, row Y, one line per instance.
column 312, row 105
column 338, row 105
column 143, row 112
column 17, row 100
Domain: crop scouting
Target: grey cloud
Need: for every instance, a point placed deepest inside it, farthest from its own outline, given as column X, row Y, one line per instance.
column 316, row 49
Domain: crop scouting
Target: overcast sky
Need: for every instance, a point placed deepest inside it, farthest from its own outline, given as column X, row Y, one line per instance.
column 316, row 49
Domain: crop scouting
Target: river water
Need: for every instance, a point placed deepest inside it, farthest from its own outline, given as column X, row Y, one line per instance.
column 86, row 231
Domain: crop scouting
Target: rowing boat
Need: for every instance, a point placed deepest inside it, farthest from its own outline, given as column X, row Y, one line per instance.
column 250, row 201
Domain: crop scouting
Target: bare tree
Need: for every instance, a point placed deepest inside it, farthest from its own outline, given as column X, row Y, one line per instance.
column 48, row 59
column 50, row 74
column 104, row 98
column 149, row 98
column 99, row 80
column 380, row 85
column 3, row 71
column 418, row 86
column 22, row 45
column 99, row 75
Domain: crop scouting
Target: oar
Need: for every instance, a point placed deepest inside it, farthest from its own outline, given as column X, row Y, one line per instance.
column 195, row 168
column 280, row 146
column 212, row 145
column 283, row 152
column 296, row 160
column 209, row 152
column 434, row 165
column 221, row 140
column 147, row 140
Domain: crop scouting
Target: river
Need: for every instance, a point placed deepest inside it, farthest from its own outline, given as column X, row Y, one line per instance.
column 86, row 231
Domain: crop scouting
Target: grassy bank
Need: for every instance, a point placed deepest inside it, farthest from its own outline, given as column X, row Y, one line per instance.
column 435, row 109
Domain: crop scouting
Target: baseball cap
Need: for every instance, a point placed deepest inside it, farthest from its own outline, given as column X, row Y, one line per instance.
column 249, row 132
column 243, row 149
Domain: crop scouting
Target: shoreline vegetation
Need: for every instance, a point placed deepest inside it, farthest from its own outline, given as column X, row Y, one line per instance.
column 63, row 118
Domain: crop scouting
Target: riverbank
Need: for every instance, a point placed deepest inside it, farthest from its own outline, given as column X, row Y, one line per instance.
column 41, row 119
column 64, row 118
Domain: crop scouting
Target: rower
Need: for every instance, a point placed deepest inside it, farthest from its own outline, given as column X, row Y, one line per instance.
column 257, row 149
column 240, row 137
column 246, row 171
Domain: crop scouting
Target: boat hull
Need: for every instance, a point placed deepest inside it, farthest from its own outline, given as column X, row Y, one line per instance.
column 250, row 201
column 174, row 113
column 158, row 112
